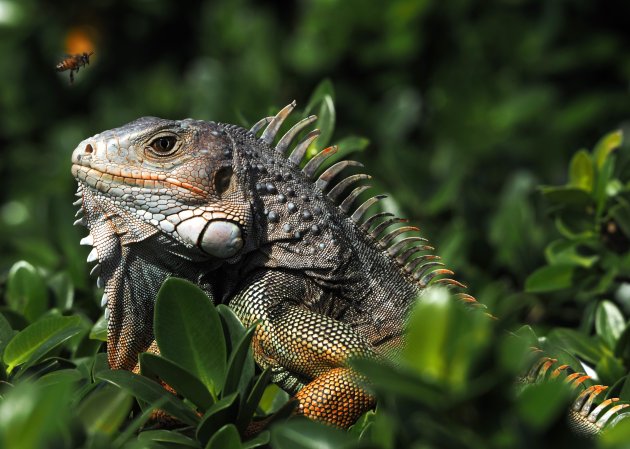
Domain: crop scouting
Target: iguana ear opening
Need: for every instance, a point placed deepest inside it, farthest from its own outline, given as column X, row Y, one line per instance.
column 224, row 181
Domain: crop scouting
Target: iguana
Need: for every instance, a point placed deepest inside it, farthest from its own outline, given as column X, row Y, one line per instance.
column 258, row 230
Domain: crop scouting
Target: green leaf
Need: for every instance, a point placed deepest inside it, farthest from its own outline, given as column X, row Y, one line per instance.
column 167, row 436
column 304, row 434
column 609, row 323
column 607, row 145
column 221, row 413
column 323, row 89
column 576, row 343
column 527, row 333
column 68, row 375
column 240, row 367
column 427, row 332
column 99, row 330
column 345, row 147
column 32, row 343
column 565, row 252
column 150, row 391
column 616, row 437
column 100, row 364
column 324, row 96
column 226, row 437
column 26, row 291
column 541, row 404
column 566, row 196
column 6, row 334
column 139, row 422
column 62, row 286
column 104, row 410
column 575, row 226
column 351, row 144
column 394, row 382
column 232, row 326
column 609, row 369
column 248, row 408
column 550, row 278
column 600, row 191
column 261, row 440
column 33, row 416
column 326, row 124
column 621, row 214
column 624, row 394
column 188, row 332
column 443, row 339
column 273, row 399
column 177, row 377
column 581, row 172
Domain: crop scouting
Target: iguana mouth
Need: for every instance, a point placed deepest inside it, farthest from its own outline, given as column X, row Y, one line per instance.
column 107, row 180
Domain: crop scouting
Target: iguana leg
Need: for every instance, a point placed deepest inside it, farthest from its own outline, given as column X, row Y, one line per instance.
column 305, row 347
column 335, row 397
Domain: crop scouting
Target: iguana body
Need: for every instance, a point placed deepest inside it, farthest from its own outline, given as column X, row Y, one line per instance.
column 231, row 212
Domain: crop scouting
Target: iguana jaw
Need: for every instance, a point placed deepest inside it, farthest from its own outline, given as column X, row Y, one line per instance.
column 132, row 261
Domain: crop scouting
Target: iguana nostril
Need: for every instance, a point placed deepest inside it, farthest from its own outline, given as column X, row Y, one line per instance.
column 89, row 149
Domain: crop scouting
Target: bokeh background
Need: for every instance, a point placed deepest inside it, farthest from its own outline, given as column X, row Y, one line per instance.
column 468, row 105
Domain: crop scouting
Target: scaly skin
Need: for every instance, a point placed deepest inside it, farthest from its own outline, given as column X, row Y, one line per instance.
column 227, row 210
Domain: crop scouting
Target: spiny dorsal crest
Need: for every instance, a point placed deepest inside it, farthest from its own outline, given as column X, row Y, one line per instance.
column 411, row 253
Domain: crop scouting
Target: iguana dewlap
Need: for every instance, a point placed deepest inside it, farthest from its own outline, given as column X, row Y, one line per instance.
column 218, row 205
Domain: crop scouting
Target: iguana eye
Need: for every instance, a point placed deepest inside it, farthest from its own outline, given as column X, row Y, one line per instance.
column 163, row 145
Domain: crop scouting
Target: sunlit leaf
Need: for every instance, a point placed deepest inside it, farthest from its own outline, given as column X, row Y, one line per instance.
column 609, row 322
column 581, row 171
column 40, row 337
column 605, row 146
column 273, row 398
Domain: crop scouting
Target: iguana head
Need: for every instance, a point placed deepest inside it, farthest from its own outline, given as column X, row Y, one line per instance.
column 174, row 177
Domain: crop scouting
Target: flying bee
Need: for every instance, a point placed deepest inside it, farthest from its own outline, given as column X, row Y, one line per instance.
column 74, row 63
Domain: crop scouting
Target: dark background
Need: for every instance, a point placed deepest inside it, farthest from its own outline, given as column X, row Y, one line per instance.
column 469, row 105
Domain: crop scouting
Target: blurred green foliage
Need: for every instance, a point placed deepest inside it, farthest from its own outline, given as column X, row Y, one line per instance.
column 468, row 107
